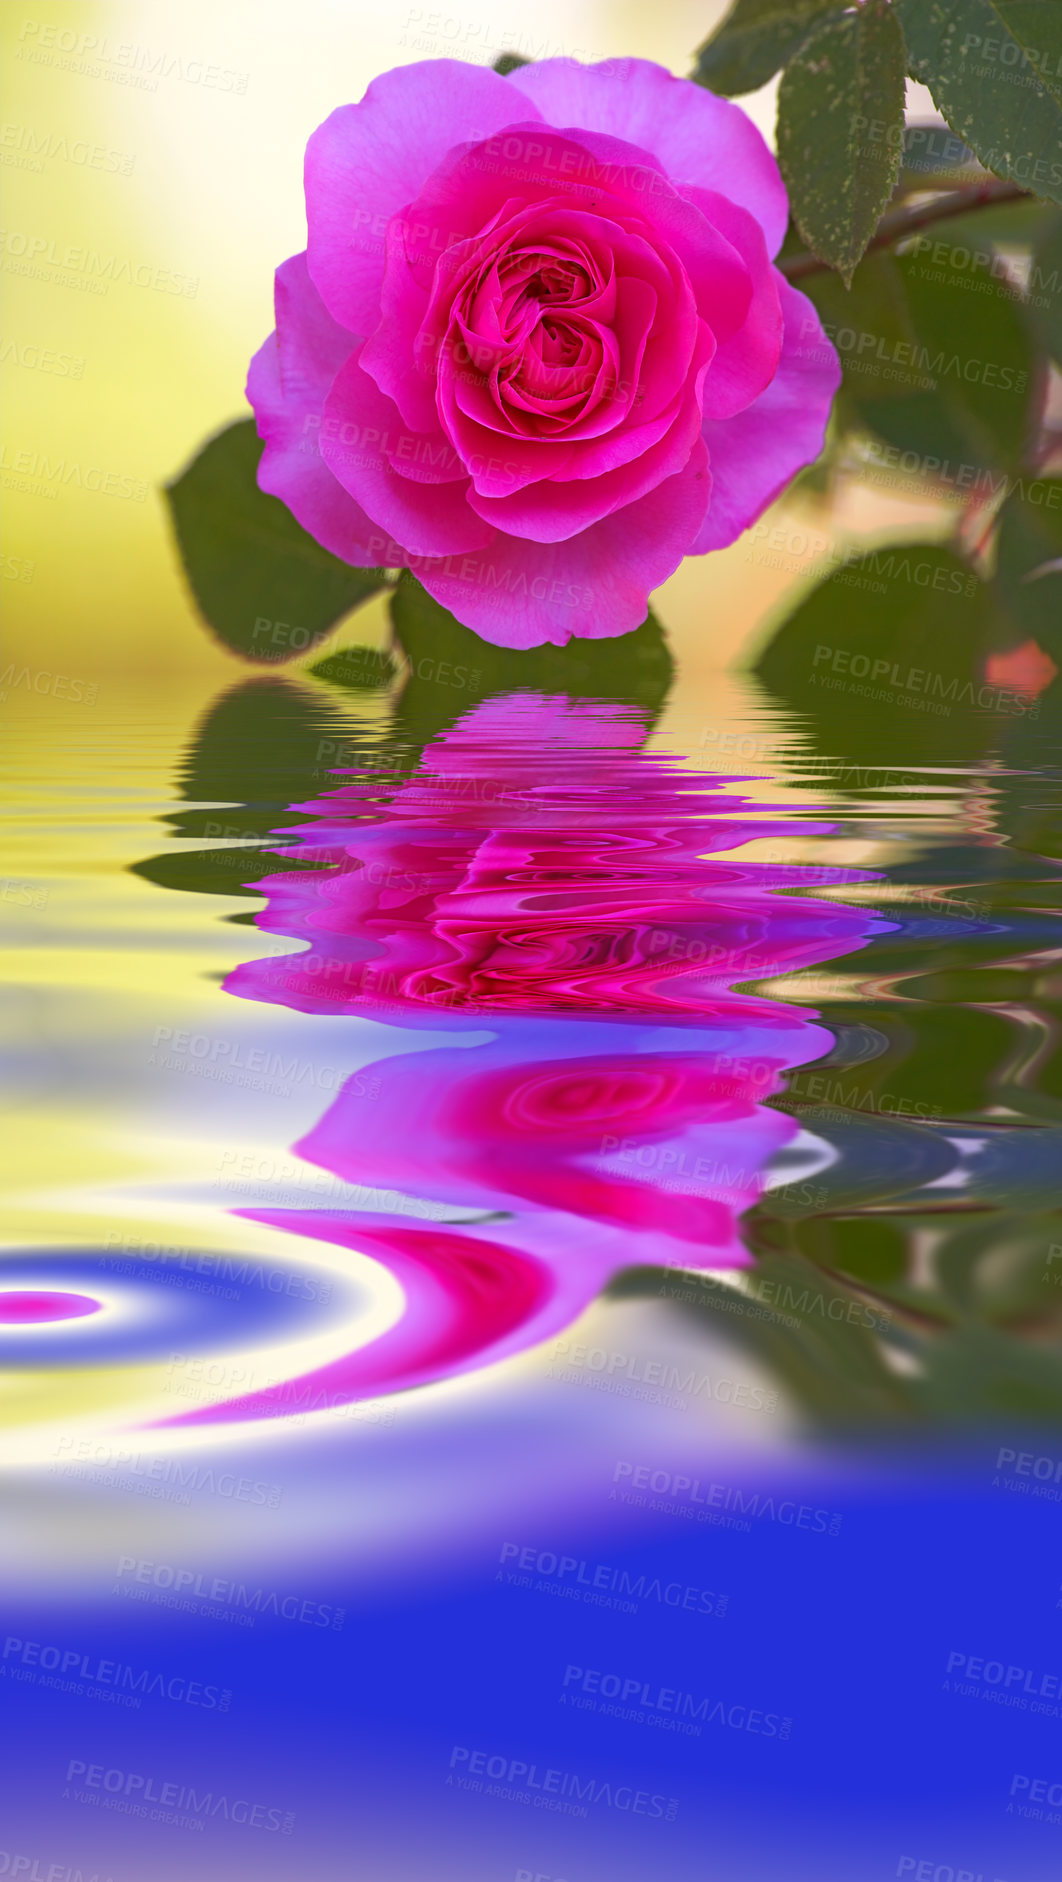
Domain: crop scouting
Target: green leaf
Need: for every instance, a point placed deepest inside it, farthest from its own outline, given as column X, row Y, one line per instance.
column 905, row 604
column 840, row 131
column 795, row 1323
column 754, row 39
column 358, row 669
column 937, row 357
column 994, row 68
column 872, row 327
column 509, row 62
column 266, row 589
column 263, row 746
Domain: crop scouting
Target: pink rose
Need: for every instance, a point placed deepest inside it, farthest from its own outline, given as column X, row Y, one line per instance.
column 536, row 349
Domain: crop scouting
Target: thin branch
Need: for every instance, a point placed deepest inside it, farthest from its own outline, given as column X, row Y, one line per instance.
column 907, row 221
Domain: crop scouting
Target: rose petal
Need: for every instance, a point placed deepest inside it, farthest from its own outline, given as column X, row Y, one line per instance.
column 650, row 385
column 363, row 431
column 745, row 364
column 287, row 385
column 754, row 455
column 368, row 160
column 698, row 137
column 500, row 458
column 390, row 353
column 594, row 586
column 584, row 170
column 558, row 508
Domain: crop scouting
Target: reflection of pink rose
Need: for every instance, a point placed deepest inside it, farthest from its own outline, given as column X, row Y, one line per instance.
column 663, row 1145
column 539, row 862
column 536, row 348
column 601, row 1146
column 542, row 881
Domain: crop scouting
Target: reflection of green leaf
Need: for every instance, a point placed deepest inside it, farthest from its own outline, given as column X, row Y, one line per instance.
column 858, row 1328
column 840, row 130
column 264, row 746
column 978, row 1372
column 754, row 39
column 878, row 1160
column 268, row 744
column 1029, row 566
column 830, row 1365
column 885, row 656
column 866, row 1249
column 450, row 667
column 994, row 68
column 265, row 587
column 940, row 1060
column 1000, row 1270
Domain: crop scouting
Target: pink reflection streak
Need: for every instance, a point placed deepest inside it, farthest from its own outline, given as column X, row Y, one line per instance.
column 541, row 879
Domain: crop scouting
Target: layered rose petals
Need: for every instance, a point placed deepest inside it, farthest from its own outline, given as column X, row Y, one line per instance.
column 531, row 319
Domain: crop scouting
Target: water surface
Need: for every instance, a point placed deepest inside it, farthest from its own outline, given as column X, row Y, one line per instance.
column 534, row 1249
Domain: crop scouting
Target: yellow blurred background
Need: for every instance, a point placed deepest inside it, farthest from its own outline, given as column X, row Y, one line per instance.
column 152, row 161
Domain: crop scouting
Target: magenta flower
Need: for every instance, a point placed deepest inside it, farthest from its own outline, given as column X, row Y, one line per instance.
column 536, row 349
column 554, row 897
column 539, row 862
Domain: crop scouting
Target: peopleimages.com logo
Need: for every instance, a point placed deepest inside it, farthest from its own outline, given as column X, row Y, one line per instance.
column 729, row 1497
column 226, row 1594
column 639, row 1701
column 924, row 1869
column 1027, row 1464
column 1028, row 1689
column 34, row 1869
column 552, row 1789
column 140, row 1790
column 603, row 1580
column 72, row 1665
column 1036, row 1797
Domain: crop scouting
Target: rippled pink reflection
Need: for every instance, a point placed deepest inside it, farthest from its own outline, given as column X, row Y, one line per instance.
column 587, row 904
